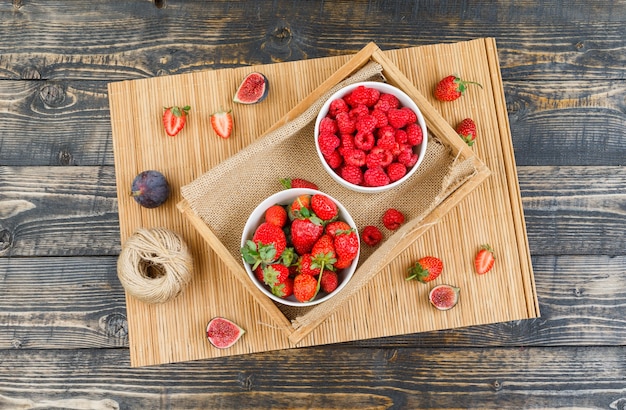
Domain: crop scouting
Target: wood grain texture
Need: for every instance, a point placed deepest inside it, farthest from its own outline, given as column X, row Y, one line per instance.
column 379, row 378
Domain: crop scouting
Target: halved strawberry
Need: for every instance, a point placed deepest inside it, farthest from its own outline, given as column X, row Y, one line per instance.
column 222, row 123
column 174, row 119
column 484, row 260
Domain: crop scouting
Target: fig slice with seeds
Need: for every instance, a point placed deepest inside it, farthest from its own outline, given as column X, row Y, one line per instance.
column 253, row 89
column 223, row 333
column 444, row 297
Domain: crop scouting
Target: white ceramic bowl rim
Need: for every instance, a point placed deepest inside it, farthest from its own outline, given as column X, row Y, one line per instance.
column 405, row 101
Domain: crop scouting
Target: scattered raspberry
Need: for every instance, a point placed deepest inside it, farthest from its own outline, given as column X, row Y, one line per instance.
column 397, row 118
column 374, row 177
column 381, row 118
column 329, row 281
column 328, row 126
column 396, row 171
column 354, row 157
column 401, row 137
column 414, row 134
column 334, row 160
column 352, row 174
column 345, row 124
column 364, row 140
column 371, row 235
column 392, row 219
column 390, row 99
column 338, row 106
column 328, row 143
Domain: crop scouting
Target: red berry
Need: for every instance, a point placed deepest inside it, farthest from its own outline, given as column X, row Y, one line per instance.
column 375, row 177
column 354, row 157
column 352, row 174
column 467, row 131
column 345, row 124
column 390, row 99
column 338, row 106
column 401, row 136
column 329, row 281
column 396, row 171
column 412, row 117
column 276, row 215
column 426, row 269
column 366, row 123
column 328, row 143
column 304, row 287
column 334, row 160
column 324, row 207
column 414, row 134
column 392, row 219
column 364, row 140
column 381, row 117
column 328, row 126
column 371, row 235
column 398, row 118
column 283, row 290
column 297, row 183
column 359, row 110
column 451, row 87
column 337, row 226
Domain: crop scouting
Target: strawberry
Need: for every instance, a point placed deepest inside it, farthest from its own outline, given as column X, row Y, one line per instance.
column 222, row 123
column 276, row 215
column 284, row 289
column 304, row 234
column 451, row 87
column 174, row 119
column 297, row 183
column 304, row 287
column 371, row 235
column 335, row 227
column 426, row 269
column 392, row 219
column 267, row 245
column 324, row 207
column 329, row 281
column 343, row 263
column 467, row 131
column 324, row 247
column 304, row 265
column 275, row 274
column 484, row 260
column 302, row 201
column 346, row 244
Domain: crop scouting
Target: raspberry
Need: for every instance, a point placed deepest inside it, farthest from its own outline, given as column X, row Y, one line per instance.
column 328, row 143
column 366, row 123
column 364, row 140
column 397, row 117
column 412, row 117
column 378, row 157
column 371, row 235
column 347, row 141
column 401, row 137
column 365, row 95
column 337, row 106
column 354, row 157
column 382, row 105
column 396, row 171
column 345, row 124
column 407, row 157
column 328, row 126
column 358, row 110
column 352, row 174
column 334, row 160
column 381, row 118
column 374, row 177
column 386, row 132
column 329, row 281
column 390, row 99
column 386, row 141
column 414, row 134
column 392, row 219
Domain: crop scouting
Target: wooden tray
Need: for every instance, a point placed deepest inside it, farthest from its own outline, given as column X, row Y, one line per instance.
column 388, row 305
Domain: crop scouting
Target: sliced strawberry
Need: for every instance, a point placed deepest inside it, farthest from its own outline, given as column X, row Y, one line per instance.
column 222, row 123
column 174, row 119
column 484, row 260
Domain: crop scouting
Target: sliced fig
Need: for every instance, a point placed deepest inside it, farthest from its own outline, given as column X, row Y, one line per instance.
column 253, row 89
column 223, row 333
column 444, row 297
column 150, row 189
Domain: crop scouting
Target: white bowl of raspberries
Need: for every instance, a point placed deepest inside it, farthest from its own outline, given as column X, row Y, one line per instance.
column 370, row 136
column 300, row 247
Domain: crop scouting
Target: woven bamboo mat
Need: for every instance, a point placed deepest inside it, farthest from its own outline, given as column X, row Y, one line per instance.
column 387, row 305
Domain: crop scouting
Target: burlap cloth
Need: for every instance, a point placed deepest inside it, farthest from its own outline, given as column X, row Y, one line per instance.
column 225, row 196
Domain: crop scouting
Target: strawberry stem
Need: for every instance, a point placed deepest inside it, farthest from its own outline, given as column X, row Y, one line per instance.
column 319, row 282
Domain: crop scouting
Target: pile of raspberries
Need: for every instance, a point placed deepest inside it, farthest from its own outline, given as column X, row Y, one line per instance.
column 367, row 137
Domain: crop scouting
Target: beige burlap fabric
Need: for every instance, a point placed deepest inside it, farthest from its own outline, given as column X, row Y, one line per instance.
column 225, row 196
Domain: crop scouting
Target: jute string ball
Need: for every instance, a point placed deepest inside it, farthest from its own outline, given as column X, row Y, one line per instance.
column 154, row 265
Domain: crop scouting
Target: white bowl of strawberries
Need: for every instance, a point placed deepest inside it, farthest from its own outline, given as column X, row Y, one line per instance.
column 300, row 247
column 370, row 136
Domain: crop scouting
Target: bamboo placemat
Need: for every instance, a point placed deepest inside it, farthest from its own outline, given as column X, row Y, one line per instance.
column 388, row 305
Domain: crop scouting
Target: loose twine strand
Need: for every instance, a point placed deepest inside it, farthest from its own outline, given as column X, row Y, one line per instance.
column 154, row 265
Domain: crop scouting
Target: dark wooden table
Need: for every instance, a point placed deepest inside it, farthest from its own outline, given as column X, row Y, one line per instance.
column 63, row 331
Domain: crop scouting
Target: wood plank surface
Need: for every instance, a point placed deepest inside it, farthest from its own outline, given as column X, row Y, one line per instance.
column 564, row 78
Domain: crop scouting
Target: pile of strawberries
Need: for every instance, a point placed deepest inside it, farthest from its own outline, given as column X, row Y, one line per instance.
column 299, row 247
column 367, row 137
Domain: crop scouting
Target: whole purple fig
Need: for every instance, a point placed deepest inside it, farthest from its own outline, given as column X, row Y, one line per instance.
column 150, row 189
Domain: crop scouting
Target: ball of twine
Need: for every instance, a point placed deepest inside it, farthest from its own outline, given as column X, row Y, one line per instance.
column 155, row 265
